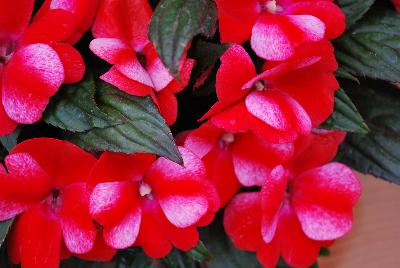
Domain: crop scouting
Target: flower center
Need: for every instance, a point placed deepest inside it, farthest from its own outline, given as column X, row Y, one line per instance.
column 259, row 86
column 7, row 49
column 226, row 139
column 145, row 190
column 272, row 7
column 142, row 59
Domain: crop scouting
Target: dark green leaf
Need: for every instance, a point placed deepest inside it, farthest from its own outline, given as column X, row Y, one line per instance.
column 111, row 121
column 354, row 9
column 372, row 47
column 4, row 228
column 11, row 140
column 378, row 152
column 342, row 72
column 200, row 253
column 175, row 23
column 345, row 116
column 74, row 108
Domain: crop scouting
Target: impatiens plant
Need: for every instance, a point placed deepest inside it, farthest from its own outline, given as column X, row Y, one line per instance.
column 191, row 133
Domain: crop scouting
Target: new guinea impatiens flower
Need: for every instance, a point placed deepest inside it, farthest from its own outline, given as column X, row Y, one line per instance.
column 233, row 159
column 277, row 27
column 83, row 12
column 35, row 60
column 286, row 100
column 153, row 203
column 301, row 206
column 122, row 41
column 44, row 187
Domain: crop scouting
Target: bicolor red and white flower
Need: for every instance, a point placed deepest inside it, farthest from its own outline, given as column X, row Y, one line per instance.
column 276, row 104
column 277, row 27
column 300, row 208
column 153, row 203
column 137, row 70
column 37, row 57
column 235, row 159
column 44, row 187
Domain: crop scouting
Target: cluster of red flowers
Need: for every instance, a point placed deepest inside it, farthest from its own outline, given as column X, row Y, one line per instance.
column 262, row 133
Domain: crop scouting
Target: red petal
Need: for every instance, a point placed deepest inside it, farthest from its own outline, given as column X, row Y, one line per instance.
column 236, row 19
column 55, row 26
column 124, row 233
column 152, row 238
column 326, row 11
column 276, row 37
column 79, row 231
column 253, row 166
column 74, row 67
column 221, row 173
column 242, row 221
column 112, row 50
column 268, row 254
column 14, row 18
column 296, row 248
column 263, row 131
column 33, row 75
column 39, row 239
column 300, row 85
column 100, row 251
column 131, row 29
column 111, row 201
column 7, row 126
column 120, row 167
column 315, row 150
column 184, row 193
column 272, row 196
column 168, row 105
column 178, row 85
column 323, row 199
column 158, row 72
column 63, row 161
column 182, row 238
column 234, row 119
column 236, row 69
column 202, row 140
column 132, row 87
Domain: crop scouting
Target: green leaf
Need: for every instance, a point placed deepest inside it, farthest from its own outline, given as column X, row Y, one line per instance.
column 354, row 9
column 378, row 152
column 74, row 108
column 111, row 121
column 372, row 47
column 175, row 23
column 200, row 253
column 11, row 140
column 4, row 228
column 345, row 116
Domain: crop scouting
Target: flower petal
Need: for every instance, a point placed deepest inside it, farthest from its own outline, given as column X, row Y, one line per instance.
column 63, row 161
column 74, row 67
column 242, row 221
column 14, row 18
column 168, row 105
column 323, row 199
column 253, row 166
column 203, row 139
column 77, row 225
column 236, row 19
column 33, row 75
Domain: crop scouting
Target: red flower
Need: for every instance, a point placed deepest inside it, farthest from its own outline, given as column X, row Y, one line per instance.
column 149, row 202
column 235, row 159
column 277, row 27
column 297, row 211
column 276, row 104
column 137, row 69
column 35, row 60
column 45, row 186
column 83, row 12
